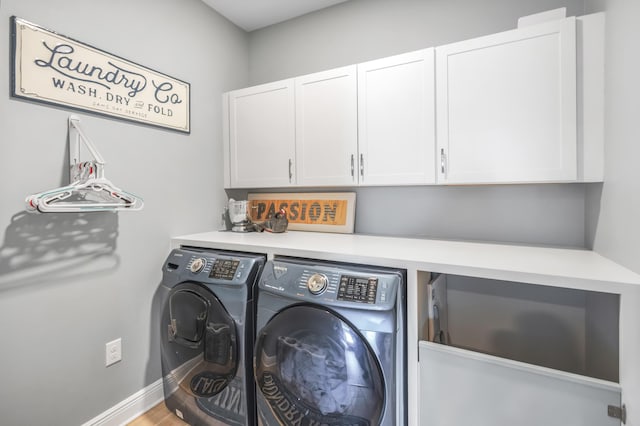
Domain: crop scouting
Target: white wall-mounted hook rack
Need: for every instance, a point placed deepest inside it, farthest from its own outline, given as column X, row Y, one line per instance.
column 88, row 189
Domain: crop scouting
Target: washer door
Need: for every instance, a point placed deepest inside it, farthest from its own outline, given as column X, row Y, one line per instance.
column 313, row 367
column 201, row 341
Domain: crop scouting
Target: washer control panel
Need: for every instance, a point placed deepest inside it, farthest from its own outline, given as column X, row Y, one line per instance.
column 332, row 284
column 358, row 289
column 314, row 282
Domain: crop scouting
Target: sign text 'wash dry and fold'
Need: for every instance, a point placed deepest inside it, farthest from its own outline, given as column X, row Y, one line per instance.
column 54, row 69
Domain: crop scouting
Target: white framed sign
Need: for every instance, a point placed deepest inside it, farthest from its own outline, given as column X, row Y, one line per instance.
column 54, row 69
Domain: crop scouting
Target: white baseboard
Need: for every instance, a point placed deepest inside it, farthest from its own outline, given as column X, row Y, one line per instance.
column 127, row 410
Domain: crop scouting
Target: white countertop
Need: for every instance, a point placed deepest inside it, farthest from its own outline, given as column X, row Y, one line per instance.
column 569, row 268
column 558, row 267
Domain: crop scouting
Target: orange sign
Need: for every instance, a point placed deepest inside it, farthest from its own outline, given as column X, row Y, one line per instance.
column 329, row 212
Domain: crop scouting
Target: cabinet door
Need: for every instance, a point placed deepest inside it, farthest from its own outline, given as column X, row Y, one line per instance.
column 396, row 119
column 460, row 387
column 326, row 127
column 262, row 135
column 506, row 106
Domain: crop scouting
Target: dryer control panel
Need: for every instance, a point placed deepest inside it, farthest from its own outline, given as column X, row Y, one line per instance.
column 224, row 269
column 211, row 267
column 218, row 267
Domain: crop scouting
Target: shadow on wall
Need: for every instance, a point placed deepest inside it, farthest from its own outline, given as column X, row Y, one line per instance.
column 592, row 202
column 40, row 248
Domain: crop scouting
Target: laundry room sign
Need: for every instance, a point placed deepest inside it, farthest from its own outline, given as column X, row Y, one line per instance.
column 323, row 212
column 51, row 68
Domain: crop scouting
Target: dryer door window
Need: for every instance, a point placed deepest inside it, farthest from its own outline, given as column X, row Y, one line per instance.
column 313, row 367
column 202, row 340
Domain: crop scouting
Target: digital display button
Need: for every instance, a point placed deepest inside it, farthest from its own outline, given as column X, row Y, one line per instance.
column 224, row 269
column 357, row 289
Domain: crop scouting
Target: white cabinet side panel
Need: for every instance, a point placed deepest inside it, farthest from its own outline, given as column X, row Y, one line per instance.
column 591, row 63
column 226, row 155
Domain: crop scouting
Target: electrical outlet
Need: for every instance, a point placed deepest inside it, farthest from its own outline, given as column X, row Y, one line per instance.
column 113, row 352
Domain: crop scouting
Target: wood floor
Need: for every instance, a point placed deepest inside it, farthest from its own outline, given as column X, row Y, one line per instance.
column 158, row 416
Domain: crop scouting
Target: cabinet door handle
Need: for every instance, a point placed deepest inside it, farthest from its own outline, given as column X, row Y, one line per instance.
column 362, row 165
column 352, row 166
column 290, row 169
column 443, row 160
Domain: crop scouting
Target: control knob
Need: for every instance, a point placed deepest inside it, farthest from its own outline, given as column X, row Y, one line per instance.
column 197, row 265
column 317, row 283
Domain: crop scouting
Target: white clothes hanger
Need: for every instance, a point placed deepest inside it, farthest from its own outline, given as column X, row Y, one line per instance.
column 89, row 189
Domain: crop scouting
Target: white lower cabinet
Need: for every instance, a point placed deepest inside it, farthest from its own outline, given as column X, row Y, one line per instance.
column 499, row 353
column 460, row 388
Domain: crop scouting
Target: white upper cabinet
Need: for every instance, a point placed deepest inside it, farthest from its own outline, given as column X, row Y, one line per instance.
column 521, row 106
column 396, row 120
column 506, row 106
column 262, row 136
column 326, row 127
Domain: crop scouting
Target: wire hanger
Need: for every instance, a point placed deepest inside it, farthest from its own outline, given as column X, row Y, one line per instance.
column 89, row 189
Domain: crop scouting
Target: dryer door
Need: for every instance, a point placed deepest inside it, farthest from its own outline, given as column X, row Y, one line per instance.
column 313, row 367
column 200, row 341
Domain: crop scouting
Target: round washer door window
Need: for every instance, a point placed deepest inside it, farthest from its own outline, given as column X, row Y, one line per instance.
column 313, row 367
column 203, row 331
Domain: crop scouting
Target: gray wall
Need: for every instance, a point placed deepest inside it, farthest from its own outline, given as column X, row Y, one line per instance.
column 70, row 282
column 360, row 30
column 615, row 208
column 532, row 214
